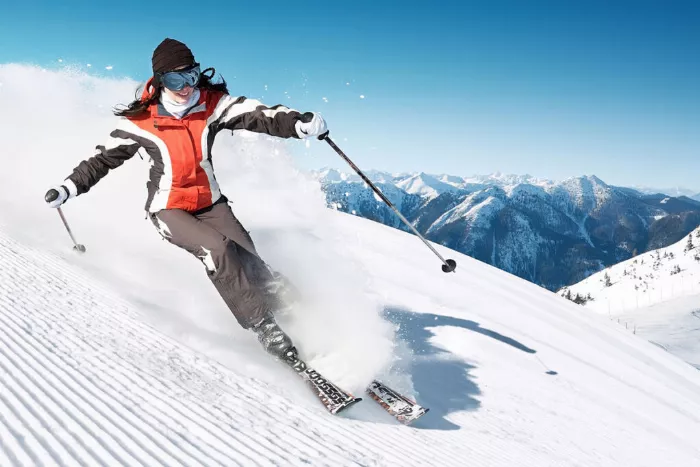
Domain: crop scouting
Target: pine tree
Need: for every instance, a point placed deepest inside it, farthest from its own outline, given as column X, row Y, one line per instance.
column 689, row 246
column 607, row 281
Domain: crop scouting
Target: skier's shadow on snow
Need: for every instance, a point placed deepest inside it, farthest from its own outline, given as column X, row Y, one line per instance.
column 443, row 384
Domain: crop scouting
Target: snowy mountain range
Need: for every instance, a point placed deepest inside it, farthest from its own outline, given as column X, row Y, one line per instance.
column 550, row 233
column 655, row 294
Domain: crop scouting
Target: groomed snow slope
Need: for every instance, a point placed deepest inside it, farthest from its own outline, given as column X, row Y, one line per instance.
column 85, row 381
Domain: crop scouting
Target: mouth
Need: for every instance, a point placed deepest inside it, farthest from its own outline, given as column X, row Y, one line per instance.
column 184, row 93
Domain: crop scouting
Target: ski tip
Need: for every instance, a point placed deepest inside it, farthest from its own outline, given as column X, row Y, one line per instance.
column 349, row 404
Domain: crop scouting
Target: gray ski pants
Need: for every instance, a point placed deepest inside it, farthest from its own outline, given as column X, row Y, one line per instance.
column 218, row 239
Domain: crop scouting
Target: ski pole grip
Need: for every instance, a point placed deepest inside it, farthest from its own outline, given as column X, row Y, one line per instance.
column 51, row 195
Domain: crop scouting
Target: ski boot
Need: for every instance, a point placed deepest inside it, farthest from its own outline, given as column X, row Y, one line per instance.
column 274, row 340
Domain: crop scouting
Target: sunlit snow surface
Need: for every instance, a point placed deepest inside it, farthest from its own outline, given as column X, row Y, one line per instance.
column 656, row 294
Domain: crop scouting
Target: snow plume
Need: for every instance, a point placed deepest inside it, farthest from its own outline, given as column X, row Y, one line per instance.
column 50, row 120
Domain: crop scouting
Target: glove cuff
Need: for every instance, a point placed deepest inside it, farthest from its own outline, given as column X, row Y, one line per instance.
column 70, row 186
column 297, row 127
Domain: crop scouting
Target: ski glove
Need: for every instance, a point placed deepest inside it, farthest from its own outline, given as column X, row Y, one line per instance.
column 64, row 193
column 316, row 127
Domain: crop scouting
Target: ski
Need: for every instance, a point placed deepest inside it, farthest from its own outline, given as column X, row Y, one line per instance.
column 400, row 407
column 331, row 396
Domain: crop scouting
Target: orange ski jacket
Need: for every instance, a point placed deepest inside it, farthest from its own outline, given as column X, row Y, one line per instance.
column 181, row 174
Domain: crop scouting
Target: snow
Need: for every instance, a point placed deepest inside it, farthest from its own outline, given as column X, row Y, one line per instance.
column 673, row 325
column 572, row 195
column 506, row 181
column 477, row 209
column 650, row 278
column 125, row 355
column 424, row 185
column 655, row 294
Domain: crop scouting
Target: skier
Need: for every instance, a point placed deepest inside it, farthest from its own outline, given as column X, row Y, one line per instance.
column 175, row 121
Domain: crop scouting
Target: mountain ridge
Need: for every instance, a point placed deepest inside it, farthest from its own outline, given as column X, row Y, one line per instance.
column 553, row 233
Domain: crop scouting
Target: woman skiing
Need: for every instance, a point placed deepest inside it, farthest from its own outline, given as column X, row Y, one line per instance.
column 175, row 121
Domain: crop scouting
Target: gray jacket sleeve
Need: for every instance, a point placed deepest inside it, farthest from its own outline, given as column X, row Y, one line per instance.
column 250, row 114
column 118, row 149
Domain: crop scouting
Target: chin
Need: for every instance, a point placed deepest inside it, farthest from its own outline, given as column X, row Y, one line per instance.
column 180, row 98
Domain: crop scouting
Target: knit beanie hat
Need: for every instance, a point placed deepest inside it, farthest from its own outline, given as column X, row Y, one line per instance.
column 171, row 54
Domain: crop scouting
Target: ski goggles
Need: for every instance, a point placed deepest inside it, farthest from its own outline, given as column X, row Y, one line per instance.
column 177, row 80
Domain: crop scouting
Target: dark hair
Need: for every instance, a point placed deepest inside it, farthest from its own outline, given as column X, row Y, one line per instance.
column 139, row 106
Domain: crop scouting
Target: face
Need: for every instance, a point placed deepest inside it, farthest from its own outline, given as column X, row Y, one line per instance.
column 179, row 96
column 182, row 95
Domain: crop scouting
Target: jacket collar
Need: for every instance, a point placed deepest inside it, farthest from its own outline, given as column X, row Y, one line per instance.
column 158, row 110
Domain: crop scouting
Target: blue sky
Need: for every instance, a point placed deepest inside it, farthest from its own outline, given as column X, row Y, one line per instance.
column 553, row 89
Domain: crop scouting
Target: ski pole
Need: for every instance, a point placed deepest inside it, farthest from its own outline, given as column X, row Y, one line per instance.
column 448, row 265
column 51, row 195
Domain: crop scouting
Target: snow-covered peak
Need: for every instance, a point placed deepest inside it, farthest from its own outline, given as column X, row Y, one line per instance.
column 457, row 182
column 478, row 209
column 583, row 183
column 380, row 176
column 525, row 189
column 506, row 181
column 424, row 185
column 330, row 175
column 430, row 186
column 586, row 192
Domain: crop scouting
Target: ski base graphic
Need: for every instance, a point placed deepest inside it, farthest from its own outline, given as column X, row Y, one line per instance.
column 400, row 407
column 334, row 399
